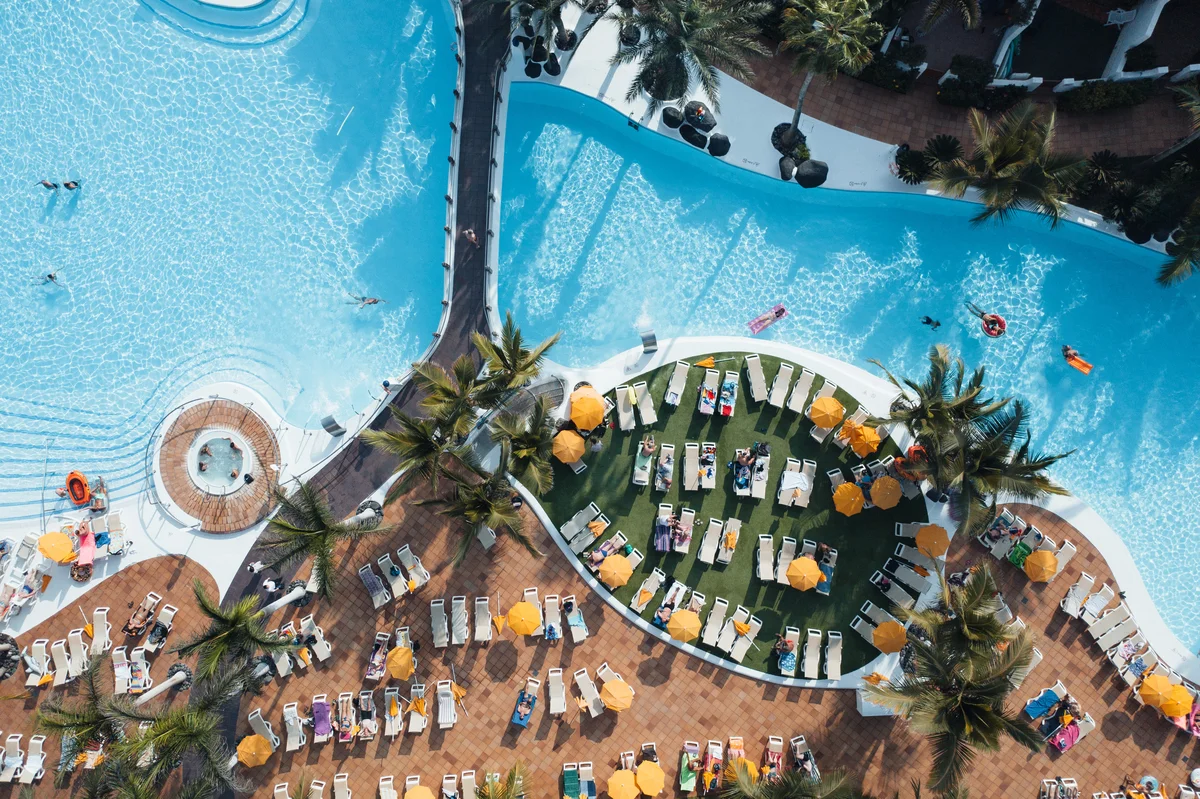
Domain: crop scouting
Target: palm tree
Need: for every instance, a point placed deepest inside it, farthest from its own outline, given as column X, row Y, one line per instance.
column 76, row 721
column 686, row 40
column 957, row 694
column 939, row 9
column 966, row 616
column 486, row 502
column 509, row 363
column 1188, row 98
column 1183, row 249
column 531, row 440
column 453, row 398
column 305, row 527
column 1013, row 166
column 787, row 785
column 933, row 406
column 512, row 786
column 425, row 449
column 235, row 633
column 827, row 36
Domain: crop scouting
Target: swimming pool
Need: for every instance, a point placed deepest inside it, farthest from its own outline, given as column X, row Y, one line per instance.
column 606, row 229
column 232, row 200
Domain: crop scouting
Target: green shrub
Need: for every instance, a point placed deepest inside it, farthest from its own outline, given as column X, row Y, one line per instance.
column 942, row 149
column 966, row 95
column 913, row 55
column 885, row 72
column 969, row 69
column 1104, row 95
column 1142, row 57
column 911, row 167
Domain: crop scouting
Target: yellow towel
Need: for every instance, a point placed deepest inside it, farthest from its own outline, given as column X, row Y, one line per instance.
column 875, row 678
column 644, row 596
column 412, row 585
column 303, row 655
column 921, row 570
column 596, row 526
column 741, row 628
column 731, row 540
column 393, row 707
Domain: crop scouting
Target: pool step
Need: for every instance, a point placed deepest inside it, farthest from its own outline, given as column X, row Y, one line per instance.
column 254, row 26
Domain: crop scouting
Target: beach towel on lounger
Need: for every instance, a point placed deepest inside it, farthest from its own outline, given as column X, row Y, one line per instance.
column 1041, row 705
column 321, row 725
column 1066, row 737
column 662, row 535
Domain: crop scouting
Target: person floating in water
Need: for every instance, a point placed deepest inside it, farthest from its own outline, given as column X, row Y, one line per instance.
column 933, row 323
column 51, row 278
column 47, row 185
column 71, row 185
column 363, row 302
column 1069, row 352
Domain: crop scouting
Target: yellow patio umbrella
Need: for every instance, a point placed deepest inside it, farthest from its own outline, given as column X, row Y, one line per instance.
column 524, row 618
column 568, row 446
column 885, row 492
column 707, row 363
column 400, row 663
column 826, row 412
column 890, row 637
column 616, row 695
column 803, row 573
column 57, row 547
column 622, row 785
column 418, row 792
column 499, row 622
column 650, row 778
column 418, row 706
column 684, row 625
column 848, row 499
column 749, row 767
column 1040, row 566
column 933, row 540
column 458, row 692
column 1155, row 690
column 1178, row 702
column 253, row 751
column 864, row 440
column 587, row 407
column 616, row 570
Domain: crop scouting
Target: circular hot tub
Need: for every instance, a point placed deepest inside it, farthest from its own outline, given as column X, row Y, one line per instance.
column 218, row 461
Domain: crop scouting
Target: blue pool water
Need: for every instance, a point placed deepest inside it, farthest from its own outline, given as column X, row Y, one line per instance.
column 606, row 229
column 241, row 177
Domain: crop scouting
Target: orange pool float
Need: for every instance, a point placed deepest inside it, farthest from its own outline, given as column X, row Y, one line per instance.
column 77, row 488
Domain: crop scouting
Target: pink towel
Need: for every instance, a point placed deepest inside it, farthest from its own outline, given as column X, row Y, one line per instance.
column 1066, row 737
column 87, row 549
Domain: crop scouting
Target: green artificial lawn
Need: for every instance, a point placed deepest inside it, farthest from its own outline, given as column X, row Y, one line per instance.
column 863, row 541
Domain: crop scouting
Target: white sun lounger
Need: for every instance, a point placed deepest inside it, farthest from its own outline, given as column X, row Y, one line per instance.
column 649, row 586
column 412, row 564
column 101, row 632
column 341, row 786
column 687, row 523
column 643, row 466
column 587, row 689
column 876, row 614
column 468, row 784
column 262, row 727
column 1018, row 676
column 459, row 621
column 779, row 386
column 397, row 581
column 766, row 558
column 812, row 654
column 895, row 593
column 40, row 656
column 575, row 622
column 1072, row 603
column 864, row 628
column 714, row 622
column 417, row 721
column 13, row 757
column 678, row 383
column 167, row 619
column 760, row 473
column 483, row 620
column 792, row 634
column 785, row 495
column 728, row 633
column 552, row 615
column 906, row 575
column 1063, row 555
column 833, row 656
column 709, row 387
column 295, row 730
column 691, row 467
column 645, row 404
column 666, row 461
column 799, row 397
column 387, row 787
column 579, row 521
column 1137, row 641
column 787, row 553
column 725, row 553
column 710, row 542
column 531, row 596
column 320, row 648
column 1117, row 634
column 708, row 474
column 35, row 761
column 916, row 557
column 742, row 643
column 441, row 630
column 447, row 711
column 758, row 383
column 624, row 408
column 393, row 723
column 79, row 653
column 827, row 389
column 1096, row 603
column 557, row 691
column 1108, row 621
column 370, row 580
column 1132, row 677
column 450, row 786
column 121, row 672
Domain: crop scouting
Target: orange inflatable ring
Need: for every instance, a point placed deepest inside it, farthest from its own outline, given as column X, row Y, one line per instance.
column 77, row 488
column 994, row 325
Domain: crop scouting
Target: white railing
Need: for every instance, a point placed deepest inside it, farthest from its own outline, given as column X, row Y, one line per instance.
column 495, row 173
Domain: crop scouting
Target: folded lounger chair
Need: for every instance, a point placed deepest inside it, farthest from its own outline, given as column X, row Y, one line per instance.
column 459, row 623
column 779, row 386
column 645, row 404
column 678, row 383
column 833, row 656
column 710, row 542
column 812, row 654
column 691, row 466
column 798, row 400
column 441, row 627
column 624, row 401
column 715, row 622
column 758, row 383
column 483, row 620
column 557, row 690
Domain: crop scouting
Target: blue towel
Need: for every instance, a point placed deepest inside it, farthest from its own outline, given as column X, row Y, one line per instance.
column 787, row 662
column 823, row 586
column 1041, row 705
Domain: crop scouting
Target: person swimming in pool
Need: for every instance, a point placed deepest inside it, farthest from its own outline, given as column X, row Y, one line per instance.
column 48, row 186
column 933, row 323
column 363, row 302
column 203, row 466
column 233, row 446
column 71, row 185
column 206, row 450
column 51, row 278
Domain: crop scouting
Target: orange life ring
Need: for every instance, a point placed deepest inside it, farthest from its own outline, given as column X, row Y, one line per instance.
column 993, row 324
column 77, row 488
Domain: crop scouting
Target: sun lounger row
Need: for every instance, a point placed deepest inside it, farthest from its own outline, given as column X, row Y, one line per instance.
column 450, row 788
column 417, row 576
column 20, row 766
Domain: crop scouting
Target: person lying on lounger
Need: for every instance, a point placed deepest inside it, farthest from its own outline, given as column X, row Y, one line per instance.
column 648, row 445
column 524, row 708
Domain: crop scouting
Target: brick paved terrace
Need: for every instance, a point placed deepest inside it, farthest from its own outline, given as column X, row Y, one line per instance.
column 678, row 697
